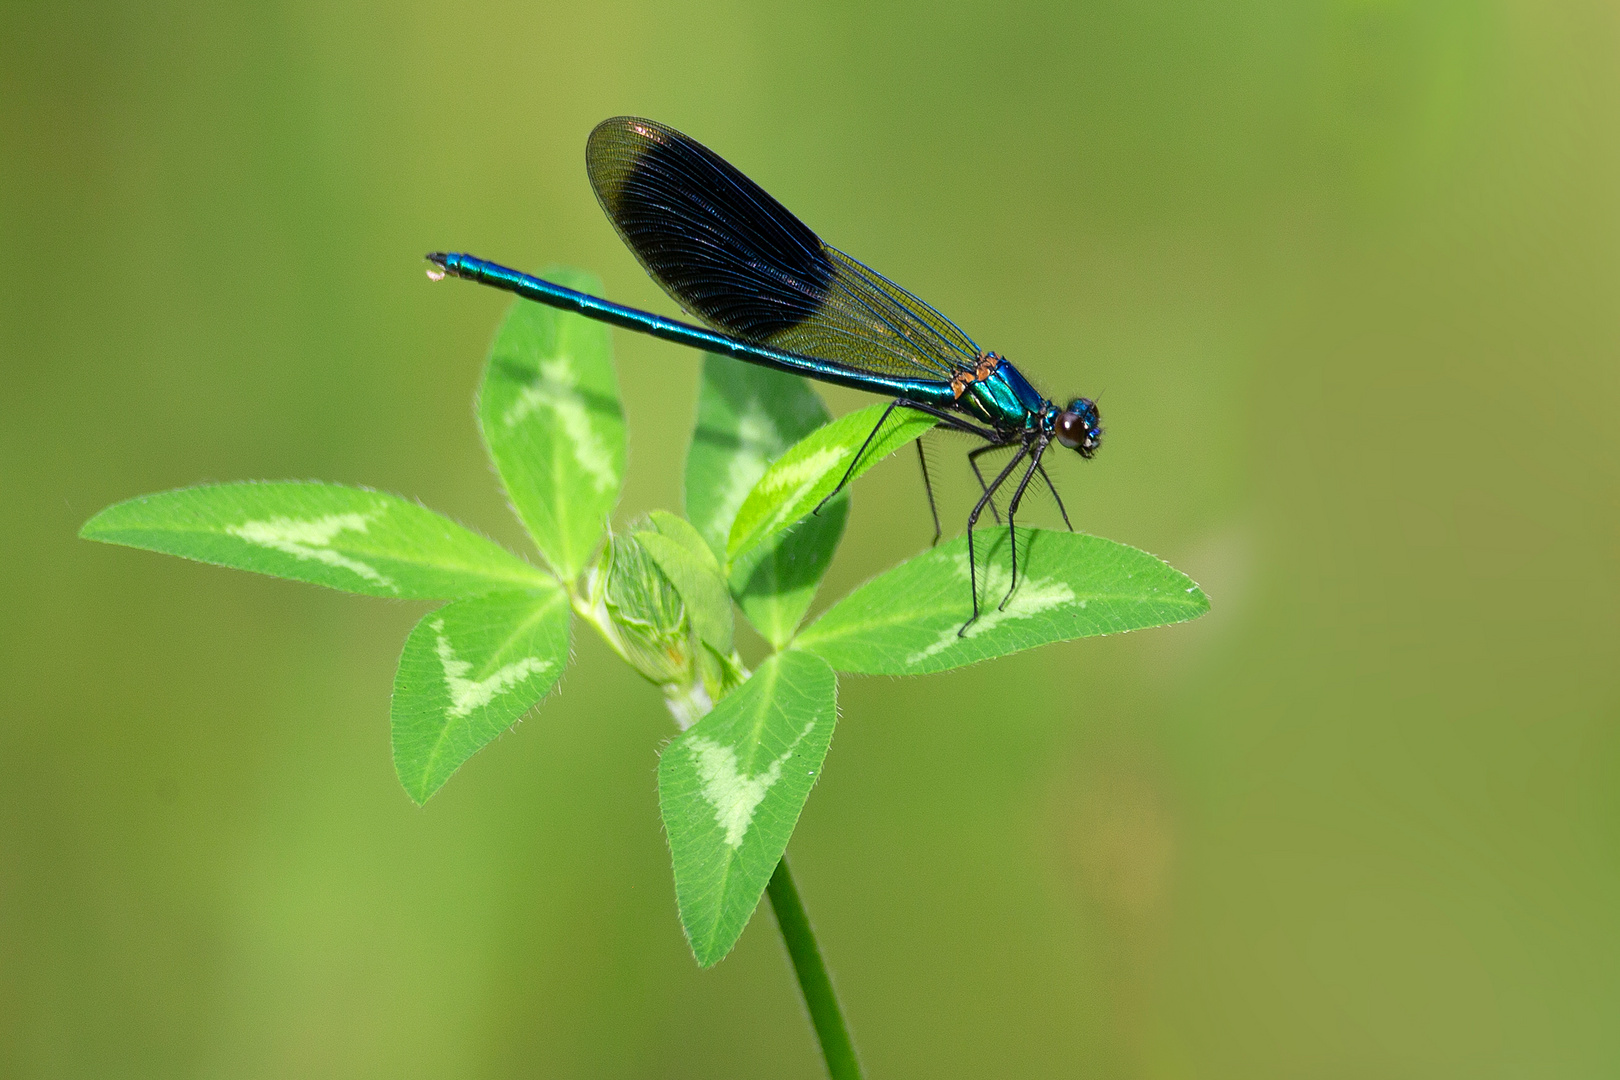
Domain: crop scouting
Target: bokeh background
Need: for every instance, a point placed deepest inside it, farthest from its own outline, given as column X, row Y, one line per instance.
column 1345, row 275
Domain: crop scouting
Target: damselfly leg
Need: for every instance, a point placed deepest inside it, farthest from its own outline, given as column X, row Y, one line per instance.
column 1012, row 511
column 973, row 460
column 858, row 455
column 922, row 459
column 949, row 421
column 1053, row 489
column 973, row 519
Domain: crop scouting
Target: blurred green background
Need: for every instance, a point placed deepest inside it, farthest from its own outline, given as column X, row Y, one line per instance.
column 1345, row 275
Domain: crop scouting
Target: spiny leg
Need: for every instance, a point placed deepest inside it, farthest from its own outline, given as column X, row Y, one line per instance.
column 859, row 453
column 973, row 456
column 1053, row 489
column 1012, row 509
column 973, row 518
column 953, row 421
column 922, row 459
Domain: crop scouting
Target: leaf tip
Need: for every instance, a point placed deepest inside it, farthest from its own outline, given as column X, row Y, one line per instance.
column 418, row 789
column 712, row 948
column 1199, row 599
column 96, row 527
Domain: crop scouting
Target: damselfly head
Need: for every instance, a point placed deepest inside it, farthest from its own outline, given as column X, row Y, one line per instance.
column 1079, row 427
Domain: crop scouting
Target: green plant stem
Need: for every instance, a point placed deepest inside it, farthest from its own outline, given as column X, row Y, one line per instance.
column 814, row 982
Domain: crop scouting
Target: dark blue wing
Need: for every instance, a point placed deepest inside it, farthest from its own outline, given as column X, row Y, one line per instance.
column 734, row 257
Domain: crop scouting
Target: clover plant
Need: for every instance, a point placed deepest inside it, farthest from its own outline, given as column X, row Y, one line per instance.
column 663, row 593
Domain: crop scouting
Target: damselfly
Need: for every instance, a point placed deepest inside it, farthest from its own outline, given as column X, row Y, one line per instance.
column 772, row 293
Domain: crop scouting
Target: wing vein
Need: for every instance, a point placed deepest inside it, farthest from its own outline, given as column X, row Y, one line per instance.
column 734, row 257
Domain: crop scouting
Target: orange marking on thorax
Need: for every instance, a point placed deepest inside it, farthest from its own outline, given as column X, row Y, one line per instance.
column 963, row 379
